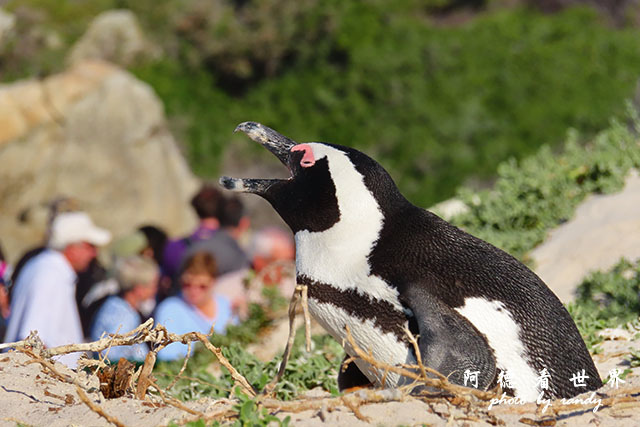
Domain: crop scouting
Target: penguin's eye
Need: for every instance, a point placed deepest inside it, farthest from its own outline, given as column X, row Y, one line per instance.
column 308, row 158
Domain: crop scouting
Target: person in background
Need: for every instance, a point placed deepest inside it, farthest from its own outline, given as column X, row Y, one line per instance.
column 207, row 237
column 4, row 293
column 137, row 277
column 97, row 283
column 156, row 241
column 271, row 249
column 147, row 241
column 206, row 205
column 235, row 223
column 234, row 220
column 93, row 277
column 197, row 307
column 43, row 297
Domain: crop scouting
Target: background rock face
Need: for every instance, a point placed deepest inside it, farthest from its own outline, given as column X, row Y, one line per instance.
column 604, row 229
column 95, row 134
column 114, row 36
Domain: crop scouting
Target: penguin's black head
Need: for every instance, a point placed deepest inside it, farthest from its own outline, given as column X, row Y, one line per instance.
column 320, row 174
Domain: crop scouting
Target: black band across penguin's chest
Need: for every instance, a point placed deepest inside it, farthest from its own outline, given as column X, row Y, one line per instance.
column 385, row 317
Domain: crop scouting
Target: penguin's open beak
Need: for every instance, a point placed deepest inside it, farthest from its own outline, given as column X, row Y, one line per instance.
column 273, row 141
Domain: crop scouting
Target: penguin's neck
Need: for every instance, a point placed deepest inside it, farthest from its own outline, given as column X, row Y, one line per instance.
column 339, row 254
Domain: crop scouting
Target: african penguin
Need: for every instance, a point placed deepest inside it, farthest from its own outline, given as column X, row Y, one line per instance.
column 374, row 261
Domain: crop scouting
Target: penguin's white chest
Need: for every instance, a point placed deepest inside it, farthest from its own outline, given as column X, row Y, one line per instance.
column 379, row 334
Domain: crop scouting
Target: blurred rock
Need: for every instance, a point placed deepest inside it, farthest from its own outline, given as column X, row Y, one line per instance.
column 7, row 22
column 604, row 229
column 96, row 134
column 115, row 36
column 449, row 208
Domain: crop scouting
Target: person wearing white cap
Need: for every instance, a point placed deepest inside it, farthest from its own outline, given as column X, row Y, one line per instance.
column 44, row 292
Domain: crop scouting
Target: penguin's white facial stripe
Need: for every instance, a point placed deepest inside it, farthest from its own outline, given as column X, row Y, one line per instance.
column 493, row 320
column 384, row 346
column 339, row 255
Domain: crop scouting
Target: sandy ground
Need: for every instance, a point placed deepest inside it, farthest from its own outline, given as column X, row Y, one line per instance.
column 32, row 395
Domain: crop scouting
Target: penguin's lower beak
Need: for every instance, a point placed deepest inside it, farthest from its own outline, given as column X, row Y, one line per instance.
column 273, row 141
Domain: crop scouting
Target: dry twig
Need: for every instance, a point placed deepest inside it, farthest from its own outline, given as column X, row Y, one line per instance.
column 97, row 409
column 174, row 402
column 300, row 293
column 440, row 382
column 237, row 377
column 184, row 366
column 307, row 317
column 158, row 337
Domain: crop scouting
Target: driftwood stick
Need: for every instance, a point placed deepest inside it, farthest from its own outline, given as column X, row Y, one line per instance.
column 237, row 377
column 184, row 366
column 158, row 336
column 307, row 317
column 295, row 298
column 97, row 409
column 440, row 383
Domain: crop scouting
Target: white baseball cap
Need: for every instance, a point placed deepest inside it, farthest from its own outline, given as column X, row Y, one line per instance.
column 75, row 227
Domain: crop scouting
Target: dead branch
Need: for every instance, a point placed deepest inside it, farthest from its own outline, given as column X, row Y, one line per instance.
column 361, row 397
column 144, row 380
column 295, row 298
column 355, row 408
column 158, row 336
column 97, row 409
column 142, row 333
column 307, row 317
column 174, row 402
column 184, row 366
column 35, row 358
column 416, row 349
column 441, row 383
column 237, row 377
column 225, row 412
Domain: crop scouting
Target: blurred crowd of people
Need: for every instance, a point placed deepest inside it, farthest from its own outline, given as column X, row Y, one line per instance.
column 69, row 294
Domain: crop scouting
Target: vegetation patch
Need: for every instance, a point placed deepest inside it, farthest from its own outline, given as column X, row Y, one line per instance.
column 533, row 196
column 607, row 300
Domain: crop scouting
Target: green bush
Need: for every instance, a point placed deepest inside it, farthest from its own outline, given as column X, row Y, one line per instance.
column 318, row 368
column 613, row 296
column 607, row 300
column 532, row 196
column 436, row 106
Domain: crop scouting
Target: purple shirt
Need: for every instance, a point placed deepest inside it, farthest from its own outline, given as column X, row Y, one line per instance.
column 226, row 251
column 175, row 249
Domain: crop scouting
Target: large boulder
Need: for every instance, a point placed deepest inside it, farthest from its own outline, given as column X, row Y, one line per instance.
column 7, row 23
column 115, row 36
column 98, row 135
column 603, row 229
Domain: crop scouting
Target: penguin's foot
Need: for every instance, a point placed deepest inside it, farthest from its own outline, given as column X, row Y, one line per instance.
column 357, row 388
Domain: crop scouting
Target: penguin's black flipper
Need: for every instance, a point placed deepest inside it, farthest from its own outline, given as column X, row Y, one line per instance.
column 448, row 342
column 351, row 376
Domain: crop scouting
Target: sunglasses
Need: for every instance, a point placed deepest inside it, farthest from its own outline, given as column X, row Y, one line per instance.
column 196, row 286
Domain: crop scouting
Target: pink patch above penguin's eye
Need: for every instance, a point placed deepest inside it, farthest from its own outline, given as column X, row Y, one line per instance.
column 307, row 159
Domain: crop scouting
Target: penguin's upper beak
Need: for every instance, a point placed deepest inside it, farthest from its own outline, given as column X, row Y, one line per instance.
column 273, row 141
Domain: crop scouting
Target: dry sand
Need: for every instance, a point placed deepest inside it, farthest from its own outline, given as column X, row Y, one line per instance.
column 30, row 395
